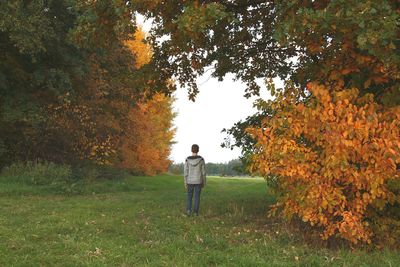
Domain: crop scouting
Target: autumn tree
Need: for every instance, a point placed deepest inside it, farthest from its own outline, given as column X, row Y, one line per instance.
column 68, row 80
column 146, row 144
column 339, row 115
column 334, row 156
column 260, row 39
column 147, row 136
column 44, row 63
column 88, row 122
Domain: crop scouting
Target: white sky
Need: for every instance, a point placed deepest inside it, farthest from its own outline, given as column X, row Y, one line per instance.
column 218, row 105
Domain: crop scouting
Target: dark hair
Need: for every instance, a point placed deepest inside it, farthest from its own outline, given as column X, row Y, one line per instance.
column 195, row 148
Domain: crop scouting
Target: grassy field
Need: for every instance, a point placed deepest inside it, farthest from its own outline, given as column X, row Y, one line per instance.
column 139, row 221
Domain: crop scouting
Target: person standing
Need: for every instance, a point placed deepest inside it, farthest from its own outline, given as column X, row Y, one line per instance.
column 195, row 179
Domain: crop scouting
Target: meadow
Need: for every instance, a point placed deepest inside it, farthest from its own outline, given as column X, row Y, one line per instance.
column 140, row 221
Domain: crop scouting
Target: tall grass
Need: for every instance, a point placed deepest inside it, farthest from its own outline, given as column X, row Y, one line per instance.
column 37, row 173
column 41, row 177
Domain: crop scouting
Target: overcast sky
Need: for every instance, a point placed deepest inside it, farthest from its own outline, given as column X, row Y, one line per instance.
column 218, row 105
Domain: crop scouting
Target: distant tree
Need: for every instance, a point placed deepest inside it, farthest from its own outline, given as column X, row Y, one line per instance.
column 176, row 169
column 231, row 168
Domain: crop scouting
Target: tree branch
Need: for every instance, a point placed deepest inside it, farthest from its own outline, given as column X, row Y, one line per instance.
column 232, row 6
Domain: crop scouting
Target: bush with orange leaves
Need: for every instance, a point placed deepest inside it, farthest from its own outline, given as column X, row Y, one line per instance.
column 333, row 154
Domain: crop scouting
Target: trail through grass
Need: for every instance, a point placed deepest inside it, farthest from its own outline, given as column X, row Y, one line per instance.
column 139, row 221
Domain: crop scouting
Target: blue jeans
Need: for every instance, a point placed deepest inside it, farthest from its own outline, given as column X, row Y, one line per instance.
column 196, row 188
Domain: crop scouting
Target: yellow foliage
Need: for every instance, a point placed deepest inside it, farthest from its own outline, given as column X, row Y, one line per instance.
column 142, row 51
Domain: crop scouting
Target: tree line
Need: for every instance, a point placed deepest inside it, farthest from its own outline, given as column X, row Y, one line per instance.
column 231, row 168
column 76, row 86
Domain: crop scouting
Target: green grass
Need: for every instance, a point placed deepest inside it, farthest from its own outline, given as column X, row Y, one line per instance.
column 138, row 221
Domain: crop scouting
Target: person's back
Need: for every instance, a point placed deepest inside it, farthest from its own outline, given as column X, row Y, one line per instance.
column 194, row 178
column 195, row 169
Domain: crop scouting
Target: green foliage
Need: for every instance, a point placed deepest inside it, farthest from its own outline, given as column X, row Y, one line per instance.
column 37, row 173
column 51, row 178
column 385, row 222
column 67, row 80
column 38, row 63
column 198, row 18
column 293, row 40
column 224, row 35
column 231, row 168
column 237, row 136
column 374, row 25
column 356, row 41
column 91, row 172
column 100, row 23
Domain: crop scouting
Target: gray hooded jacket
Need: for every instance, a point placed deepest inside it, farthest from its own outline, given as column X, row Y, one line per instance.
column 195, row 170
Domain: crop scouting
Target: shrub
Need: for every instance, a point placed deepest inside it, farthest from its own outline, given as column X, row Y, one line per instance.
column 91, row 172
column 37, row 173
column 385, row 222
column 334, row 156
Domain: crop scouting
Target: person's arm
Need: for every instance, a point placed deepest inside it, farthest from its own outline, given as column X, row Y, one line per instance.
column 185, row 173
column 203, row 173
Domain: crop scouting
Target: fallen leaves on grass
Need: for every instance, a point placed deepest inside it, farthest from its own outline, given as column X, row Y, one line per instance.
column 199, row 239
column 95, row 253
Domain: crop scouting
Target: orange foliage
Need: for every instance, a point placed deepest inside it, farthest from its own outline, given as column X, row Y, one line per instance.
column 333, row 155
column 148, row 133
column 148, row 136
column 126, row 130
